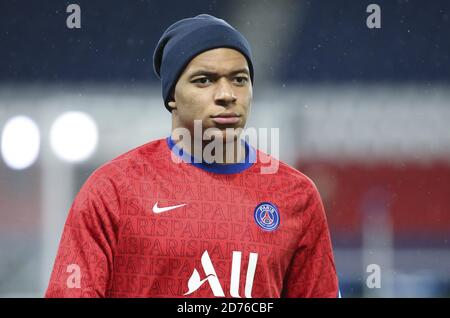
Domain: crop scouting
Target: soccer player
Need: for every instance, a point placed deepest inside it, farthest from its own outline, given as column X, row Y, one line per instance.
column 162, row 221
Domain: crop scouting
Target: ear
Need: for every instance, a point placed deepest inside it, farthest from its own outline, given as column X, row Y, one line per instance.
column 172, row 105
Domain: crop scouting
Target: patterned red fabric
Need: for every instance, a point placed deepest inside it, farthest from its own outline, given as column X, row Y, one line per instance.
column 114, row 245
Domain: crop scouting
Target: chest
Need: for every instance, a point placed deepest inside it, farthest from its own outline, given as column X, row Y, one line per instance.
column 220, row 228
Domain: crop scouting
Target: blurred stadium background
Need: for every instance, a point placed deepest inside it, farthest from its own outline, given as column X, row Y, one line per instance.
column 364, row 112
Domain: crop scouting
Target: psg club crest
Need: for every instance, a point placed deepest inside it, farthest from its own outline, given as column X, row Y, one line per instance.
column 267, row 216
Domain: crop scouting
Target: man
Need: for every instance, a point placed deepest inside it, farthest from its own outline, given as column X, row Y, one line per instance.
column 170, row 219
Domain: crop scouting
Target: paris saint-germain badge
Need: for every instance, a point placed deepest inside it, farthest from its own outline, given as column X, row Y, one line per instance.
column 267, row 216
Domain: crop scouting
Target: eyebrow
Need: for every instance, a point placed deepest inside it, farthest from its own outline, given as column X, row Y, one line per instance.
column 212, row 73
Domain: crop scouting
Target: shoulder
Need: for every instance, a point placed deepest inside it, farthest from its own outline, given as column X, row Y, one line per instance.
column 149, row 151
column 280, row 169
column 113, row 174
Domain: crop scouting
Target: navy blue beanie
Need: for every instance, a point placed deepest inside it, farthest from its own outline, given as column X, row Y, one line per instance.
column 185, row 39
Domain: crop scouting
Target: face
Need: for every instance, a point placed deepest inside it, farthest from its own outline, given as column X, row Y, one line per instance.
column 215, row 88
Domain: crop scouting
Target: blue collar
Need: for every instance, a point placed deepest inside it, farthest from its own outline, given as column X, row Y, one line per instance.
column 250, row 159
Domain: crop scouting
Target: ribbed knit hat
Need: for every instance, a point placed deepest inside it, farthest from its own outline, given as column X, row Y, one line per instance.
column 187, row 38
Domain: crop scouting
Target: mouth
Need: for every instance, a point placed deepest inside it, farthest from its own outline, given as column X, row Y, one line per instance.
column 226, row 118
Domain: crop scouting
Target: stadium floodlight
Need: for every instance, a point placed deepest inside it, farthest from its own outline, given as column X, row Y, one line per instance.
column 74, row 136
column 20, row 142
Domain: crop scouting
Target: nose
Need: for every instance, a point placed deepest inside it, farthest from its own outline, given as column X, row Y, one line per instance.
column 224, row 94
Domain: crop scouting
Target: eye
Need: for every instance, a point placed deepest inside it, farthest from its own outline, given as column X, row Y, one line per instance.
column 241, row 80
column 201, row 80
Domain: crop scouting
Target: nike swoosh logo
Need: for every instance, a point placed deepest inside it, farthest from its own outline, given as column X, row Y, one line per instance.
column 157, row 209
